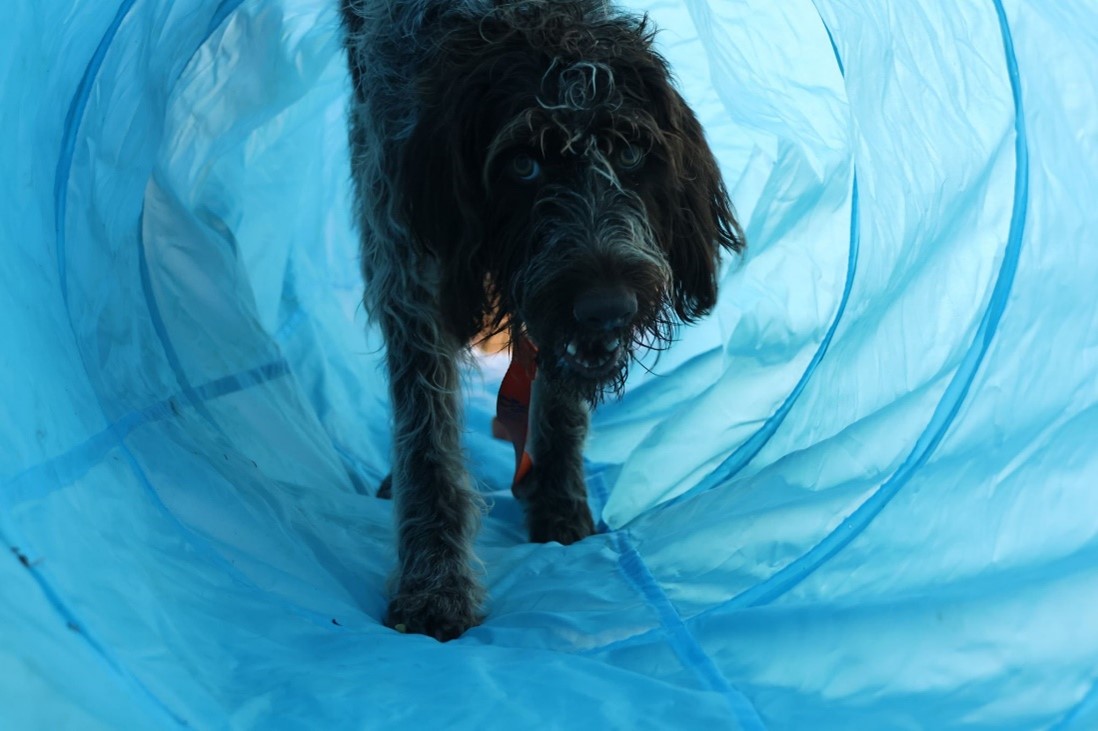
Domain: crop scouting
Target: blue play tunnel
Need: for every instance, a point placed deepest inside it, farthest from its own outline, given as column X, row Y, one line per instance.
column 862, row 495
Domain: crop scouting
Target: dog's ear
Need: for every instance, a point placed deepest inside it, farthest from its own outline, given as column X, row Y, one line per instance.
column 443, row 198
column 701, row 220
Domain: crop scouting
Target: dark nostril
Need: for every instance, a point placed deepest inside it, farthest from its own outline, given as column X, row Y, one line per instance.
column 605, row 308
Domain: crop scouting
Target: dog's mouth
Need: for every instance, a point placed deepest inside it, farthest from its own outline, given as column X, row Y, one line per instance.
column 593, row 356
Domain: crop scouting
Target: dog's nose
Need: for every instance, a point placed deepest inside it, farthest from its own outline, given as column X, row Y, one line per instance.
column 605, row 308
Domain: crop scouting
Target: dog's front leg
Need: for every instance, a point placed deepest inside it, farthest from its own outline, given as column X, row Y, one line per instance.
column 554, row 493
column 437, row 593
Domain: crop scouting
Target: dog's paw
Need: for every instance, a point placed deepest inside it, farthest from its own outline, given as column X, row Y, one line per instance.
column 444, row 615
column 564, row 521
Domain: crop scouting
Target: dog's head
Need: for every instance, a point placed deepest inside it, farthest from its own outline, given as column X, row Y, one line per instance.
column 565, row 186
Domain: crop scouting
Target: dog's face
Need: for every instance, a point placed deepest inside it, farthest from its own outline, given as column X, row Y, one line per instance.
column 565, row 187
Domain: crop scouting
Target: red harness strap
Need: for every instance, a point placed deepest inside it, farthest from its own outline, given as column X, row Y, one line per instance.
column 512, row 420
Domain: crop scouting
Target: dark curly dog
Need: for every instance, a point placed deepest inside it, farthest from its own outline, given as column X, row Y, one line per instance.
column 521, row 166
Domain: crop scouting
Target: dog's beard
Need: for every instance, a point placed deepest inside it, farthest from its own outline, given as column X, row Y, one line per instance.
column 606, row 378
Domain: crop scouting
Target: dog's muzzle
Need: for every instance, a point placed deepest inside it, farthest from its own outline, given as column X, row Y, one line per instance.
column 605, row 308
column 602, row 315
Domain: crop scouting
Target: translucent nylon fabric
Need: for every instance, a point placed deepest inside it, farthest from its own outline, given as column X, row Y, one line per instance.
column 860, row 495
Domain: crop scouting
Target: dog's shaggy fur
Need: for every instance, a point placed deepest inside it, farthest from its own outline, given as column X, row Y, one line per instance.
column 522, row 166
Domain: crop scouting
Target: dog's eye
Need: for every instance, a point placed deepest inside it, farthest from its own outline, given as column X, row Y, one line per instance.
column 630, row 157
column 525, row 168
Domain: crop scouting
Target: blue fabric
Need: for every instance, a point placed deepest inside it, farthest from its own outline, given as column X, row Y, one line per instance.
column 860, row 495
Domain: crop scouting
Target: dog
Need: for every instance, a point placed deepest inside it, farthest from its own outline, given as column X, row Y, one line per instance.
column 523, row 167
